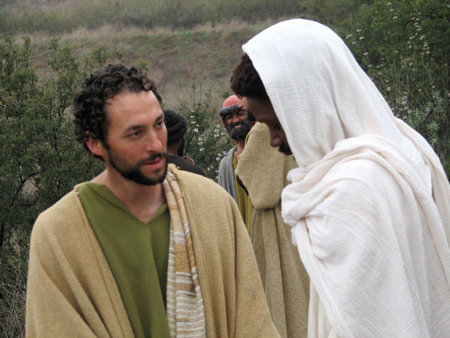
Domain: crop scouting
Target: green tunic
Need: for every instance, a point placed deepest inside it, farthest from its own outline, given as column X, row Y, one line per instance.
column 137, row 254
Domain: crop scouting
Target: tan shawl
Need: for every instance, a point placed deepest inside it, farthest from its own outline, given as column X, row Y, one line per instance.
column 263, row 169
column 72, row 292
column 185, row 311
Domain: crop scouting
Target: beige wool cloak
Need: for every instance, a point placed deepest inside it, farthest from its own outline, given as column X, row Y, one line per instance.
column 263, row 169
column 71, row 290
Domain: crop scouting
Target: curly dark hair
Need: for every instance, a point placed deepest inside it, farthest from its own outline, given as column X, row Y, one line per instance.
column 89, row 114
column 246, row 81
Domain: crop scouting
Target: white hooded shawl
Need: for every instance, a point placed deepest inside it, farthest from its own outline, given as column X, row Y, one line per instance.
column 369, row 204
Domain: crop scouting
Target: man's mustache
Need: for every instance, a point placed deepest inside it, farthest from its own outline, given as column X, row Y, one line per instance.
column 232, row 125
column 153, row 157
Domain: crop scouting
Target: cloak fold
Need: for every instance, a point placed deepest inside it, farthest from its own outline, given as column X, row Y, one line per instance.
column 263, row 169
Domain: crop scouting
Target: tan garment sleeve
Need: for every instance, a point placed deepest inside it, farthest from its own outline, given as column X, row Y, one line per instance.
column 70, row 291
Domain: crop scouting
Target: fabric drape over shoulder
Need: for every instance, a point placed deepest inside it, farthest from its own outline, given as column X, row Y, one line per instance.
column 72, row 292
column 226, row 173
column 262, row 169
column 369, row 204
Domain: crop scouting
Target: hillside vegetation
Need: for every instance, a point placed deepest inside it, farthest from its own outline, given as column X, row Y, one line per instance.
column 56, row 16
column 190, row 48
column 178, row 40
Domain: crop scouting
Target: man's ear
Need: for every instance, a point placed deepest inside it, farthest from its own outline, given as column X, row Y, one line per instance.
column 95, row 146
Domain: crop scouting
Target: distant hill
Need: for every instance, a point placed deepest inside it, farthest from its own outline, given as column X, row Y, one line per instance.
column 183, row 43
column 176, row 59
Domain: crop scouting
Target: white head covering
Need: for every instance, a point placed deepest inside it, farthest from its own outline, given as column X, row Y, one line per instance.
column 320, row 93
column 370, row 197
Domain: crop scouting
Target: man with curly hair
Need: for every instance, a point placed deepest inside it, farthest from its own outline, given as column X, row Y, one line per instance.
column 143, row 249
column 369, row 204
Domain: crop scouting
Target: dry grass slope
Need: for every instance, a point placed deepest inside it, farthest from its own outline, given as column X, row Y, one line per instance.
column 175, row 58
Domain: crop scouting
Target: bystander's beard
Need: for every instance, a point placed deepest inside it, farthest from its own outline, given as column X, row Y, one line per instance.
column 239, row 134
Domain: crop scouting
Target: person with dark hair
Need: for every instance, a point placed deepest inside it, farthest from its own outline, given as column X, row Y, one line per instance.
column 143, row 249
column 176, row 128
column 262, row 170
column 369, row 204
column 255, row 174
column 237, row 123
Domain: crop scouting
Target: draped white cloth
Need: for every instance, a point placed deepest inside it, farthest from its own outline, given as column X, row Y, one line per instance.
column 369, row 204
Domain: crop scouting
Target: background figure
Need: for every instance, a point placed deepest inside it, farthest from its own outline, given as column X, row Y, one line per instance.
column 262, row 170
column 238, row 123
column 176, row 128
column 369, row 204
column 143, row 249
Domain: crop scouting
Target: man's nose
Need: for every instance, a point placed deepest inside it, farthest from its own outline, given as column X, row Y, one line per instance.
column 155, row 143
column 235, row 118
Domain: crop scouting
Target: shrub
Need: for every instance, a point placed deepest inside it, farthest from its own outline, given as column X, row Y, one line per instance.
column 206, row 140
column 399, row 44
column 40, row 160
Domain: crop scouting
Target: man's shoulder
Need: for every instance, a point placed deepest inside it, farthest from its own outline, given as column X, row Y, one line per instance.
column 63, row 212
column 193, row 184
column 64, row 204
column 189, row 178
column 185, row 165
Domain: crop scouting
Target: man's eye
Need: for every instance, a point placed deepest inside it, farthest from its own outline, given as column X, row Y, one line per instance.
column 160, row 124
column 134, row 134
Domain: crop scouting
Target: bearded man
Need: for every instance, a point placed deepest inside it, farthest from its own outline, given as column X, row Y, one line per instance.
column 369, row 204
column 143, row 249
column 237, row 123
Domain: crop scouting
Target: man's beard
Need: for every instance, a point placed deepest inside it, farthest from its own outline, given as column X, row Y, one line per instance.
column 239, row 134
column 285, row 150
column 133, row 172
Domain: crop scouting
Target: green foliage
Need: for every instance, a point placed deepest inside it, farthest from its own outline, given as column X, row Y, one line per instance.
column 39, row 158
column 142, row 13
column 12, row 290
column 401, row 46
column 206, row 140
column 335, row 13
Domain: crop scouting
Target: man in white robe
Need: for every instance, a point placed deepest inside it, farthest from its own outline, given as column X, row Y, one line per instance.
column 369, row 204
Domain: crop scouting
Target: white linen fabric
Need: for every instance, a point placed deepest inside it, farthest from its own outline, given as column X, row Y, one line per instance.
column 369, row 204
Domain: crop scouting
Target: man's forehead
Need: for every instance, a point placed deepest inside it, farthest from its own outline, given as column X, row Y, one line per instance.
column 128, row 107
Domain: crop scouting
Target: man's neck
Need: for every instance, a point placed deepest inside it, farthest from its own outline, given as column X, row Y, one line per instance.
column 141, row 200
column 240, row 145
column 172, row 149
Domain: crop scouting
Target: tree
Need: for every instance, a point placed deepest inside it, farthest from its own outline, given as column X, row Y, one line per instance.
column 40, row 160
column 205, row 139
column 401, row 46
